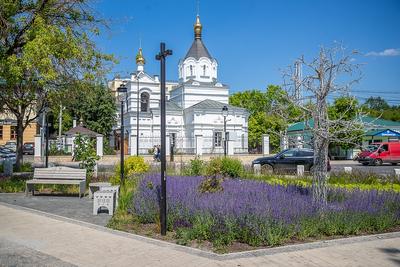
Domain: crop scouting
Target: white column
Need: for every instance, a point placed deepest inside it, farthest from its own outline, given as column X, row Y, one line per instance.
column 397, row 173
column 300, row 170
column 167, row 145
column 231, row 147
column 99, row 145
column 73, row 146
column 133, row 145
column 284, row 142
column 299, row 142
column 265, row 143
column 348, row 169
column 199, row 145
column 257, row 169
column 38, row 146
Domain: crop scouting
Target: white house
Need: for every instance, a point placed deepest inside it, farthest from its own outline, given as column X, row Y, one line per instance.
column 194, row 117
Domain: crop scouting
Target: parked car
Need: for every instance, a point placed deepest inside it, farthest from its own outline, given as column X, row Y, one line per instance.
column 11, row 145
column 5, row 154
column 379, row 153
column 28, row 148
column 287, row 160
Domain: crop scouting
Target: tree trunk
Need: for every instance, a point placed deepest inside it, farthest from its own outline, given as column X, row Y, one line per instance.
column 321, row 144
column 20, row 141
column 320, row 172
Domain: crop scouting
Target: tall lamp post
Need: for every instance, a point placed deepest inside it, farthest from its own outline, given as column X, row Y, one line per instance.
column 122, row 94
column 225, row 114
column 163, row 200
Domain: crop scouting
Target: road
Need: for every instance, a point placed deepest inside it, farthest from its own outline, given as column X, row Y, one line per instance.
column 337, row 165
column 386, row 169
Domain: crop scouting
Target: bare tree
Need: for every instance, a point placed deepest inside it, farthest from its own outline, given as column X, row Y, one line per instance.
column 331, row 74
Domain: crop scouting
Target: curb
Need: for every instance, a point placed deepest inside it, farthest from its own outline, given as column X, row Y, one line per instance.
column 212, row 255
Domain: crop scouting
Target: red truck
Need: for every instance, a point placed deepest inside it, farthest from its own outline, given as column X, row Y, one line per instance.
column 379, row 153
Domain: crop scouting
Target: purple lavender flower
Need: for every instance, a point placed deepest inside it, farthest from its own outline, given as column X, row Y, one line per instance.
column 252, row 204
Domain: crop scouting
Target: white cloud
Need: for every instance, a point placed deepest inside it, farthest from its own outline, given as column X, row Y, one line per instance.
column 391, row 52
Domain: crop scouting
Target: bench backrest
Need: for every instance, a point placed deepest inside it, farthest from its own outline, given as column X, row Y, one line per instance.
column 62, row 173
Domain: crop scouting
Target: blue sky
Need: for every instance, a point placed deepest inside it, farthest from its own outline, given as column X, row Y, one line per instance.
column 253, row 40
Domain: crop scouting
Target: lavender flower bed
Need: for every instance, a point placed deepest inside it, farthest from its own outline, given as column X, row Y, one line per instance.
column 260, row 214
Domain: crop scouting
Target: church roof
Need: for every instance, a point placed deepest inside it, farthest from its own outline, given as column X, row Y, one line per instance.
column 204, row 84
column 171, row 106
column 80, row 129
column 198, row 50
column 209, row 105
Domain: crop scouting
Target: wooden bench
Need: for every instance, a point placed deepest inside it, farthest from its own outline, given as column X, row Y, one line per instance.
column 58, row 175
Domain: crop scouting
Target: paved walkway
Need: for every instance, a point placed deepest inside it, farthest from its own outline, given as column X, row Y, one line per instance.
column 71, row 206
column 33, row 238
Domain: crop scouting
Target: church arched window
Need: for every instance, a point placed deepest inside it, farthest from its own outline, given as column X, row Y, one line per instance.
column 144, row 102
column 204, row 70
column 191, row 70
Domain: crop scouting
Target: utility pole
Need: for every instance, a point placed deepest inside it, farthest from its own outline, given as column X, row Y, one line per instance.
column 297, row 81
column 163, row 201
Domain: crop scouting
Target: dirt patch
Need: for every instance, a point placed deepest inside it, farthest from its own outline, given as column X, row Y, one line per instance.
column 152, row 230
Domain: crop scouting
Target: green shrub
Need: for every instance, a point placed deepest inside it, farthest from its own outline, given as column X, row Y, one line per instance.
column 25, row 167
column 85, row 152
column 232, row 167
column 54, row 151
column 210, row 185
column 126, row 194
column 133, row 165
column 225, row 167
column 214, row 167
column 195, row 168
column 12, row 185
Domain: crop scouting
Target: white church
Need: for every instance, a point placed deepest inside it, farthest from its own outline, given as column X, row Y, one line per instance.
column 196, row 122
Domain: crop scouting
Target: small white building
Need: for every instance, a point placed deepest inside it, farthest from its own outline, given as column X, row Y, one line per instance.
column 194, row 118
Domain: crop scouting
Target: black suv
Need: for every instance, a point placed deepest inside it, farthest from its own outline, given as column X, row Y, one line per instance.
column 287, row 160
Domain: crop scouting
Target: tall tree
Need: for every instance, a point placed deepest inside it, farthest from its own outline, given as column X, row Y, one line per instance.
column 346, row 109
column 262, row 123
column 331, row 73
column 264, row 118
column 44, row 46
column 376, row 103
column 93, row 103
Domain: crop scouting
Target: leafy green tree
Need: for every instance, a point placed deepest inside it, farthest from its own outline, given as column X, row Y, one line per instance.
column 44, row 46
column 261, row 123
column 379, row 108
column 376, row 103
column 264, row 118
column 93, row 103
column 253, row 100
column 344, row 110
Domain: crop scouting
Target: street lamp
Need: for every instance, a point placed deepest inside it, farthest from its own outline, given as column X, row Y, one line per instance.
column 225, row 114
column 163, row 198
column 122, row 95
